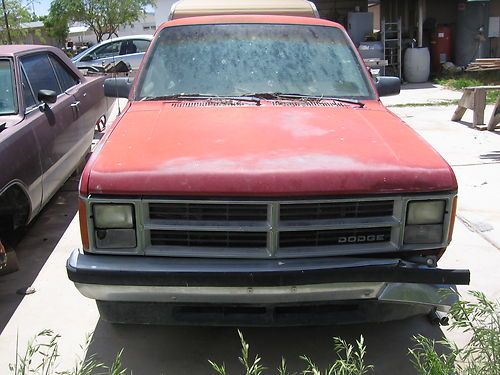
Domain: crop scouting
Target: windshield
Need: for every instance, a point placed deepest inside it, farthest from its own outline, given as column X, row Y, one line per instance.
column 8, row 105
column 242, row 59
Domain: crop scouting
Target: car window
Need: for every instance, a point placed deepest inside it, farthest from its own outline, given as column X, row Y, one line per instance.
column 107, row 50
column 40, row 73
column 29, row 100
column 66, row 79
column 239, row 59
column 142, row 45
column 8, row 103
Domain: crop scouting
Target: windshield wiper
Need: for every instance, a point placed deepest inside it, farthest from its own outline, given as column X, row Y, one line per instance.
column 177, row 96
column 200, row 97
column 281, row 95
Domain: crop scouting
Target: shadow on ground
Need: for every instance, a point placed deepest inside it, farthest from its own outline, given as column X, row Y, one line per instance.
column 156, row 350
column 37, row 244
column 471, row 126
column 493, row 156
column 417, row 86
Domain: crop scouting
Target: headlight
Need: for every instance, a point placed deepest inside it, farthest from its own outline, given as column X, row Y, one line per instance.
column 424, row 222
column 425, row 212
column 113, row 216
column 114, row 226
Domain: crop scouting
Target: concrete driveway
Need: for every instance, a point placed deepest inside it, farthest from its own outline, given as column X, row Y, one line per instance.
column 475, row 157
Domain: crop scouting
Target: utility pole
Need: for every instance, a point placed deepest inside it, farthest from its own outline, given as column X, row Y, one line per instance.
column 9, row 38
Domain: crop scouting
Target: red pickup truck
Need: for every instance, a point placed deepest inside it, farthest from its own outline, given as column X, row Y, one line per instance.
column 254, row 177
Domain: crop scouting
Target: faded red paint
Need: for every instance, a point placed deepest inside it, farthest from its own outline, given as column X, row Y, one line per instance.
column 266, row 150
column 156, row 148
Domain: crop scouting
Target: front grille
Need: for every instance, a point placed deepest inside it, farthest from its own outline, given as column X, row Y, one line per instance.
column 208, row 239
column 256, row 229
column 335, row 210
column 207, row 212
column 315, row 238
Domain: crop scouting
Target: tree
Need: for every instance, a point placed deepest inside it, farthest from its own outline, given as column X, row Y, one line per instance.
column 104, row 17
column 56, row 22
column 16, row 13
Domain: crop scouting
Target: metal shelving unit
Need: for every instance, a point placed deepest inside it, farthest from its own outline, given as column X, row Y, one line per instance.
column 391, row 39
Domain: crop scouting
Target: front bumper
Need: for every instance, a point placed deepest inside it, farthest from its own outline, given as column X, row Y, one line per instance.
column 261, row 282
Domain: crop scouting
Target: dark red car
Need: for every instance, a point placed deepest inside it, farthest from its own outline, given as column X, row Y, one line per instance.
column 48, row 111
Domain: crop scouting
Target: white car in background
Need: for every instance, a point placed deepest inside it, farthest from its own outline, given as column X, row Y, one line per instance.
column 130, row 49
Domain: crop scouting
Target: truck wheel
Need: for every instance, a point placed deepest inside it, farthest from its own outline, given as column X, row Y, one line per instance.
column 14, row 213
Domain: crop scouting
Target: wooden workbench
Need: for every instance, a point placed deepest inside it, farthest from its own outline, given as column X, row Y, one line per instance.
column 474, row 98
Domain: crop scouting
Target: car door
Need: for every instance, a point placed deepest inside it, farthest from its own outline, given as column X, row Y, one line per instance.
column 87, row 107
column 134, row 51
column 106, row 54
column 53, row 124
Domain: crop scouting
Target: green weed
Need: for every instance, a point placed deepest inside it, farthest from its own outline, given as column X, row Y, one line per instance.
column 350, row 361
column 42, row 353
column 481, row 356
column 458, row 81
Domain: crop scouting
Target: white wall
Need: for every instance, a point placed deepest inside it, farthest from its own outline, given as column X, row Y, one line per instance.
column 163, row 10
column 80, row 38
column 145, row 25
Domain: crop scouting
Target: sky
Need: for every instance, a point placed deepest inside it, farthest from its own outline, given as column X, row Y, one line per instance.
column 42, row 6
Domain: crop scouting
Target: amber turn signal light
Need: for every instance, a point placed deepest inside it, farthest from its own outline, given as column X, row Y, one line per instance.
column 84, row 231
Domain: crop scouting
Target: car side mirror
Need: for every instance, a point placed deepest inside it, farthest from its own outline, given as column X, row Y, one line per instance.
column 118, row 87
column 387, row 86
column 47, row 96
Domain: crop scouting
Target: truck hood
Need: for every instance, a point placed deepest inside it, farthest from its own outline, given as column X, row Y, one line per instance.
column 195, row 148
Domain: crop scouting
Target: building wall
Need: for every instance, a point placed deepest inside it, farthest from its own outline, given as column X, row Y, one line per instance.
column 495, row 42
column 146, row 25
column 375, row 9
column 163, row 10
column 336, row 10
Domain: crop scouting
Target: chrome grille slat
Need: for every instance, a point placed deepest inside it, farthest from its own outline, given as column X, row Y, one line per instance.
column 207, row 212
column 256, row 229
column 336, row 210
column 209, row 226
column 209, row 239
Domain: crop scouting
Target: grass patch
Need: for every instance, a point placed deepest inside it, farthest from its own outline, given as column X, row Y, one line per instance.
column 480, row 318
column 457, row 81
column 428, row 104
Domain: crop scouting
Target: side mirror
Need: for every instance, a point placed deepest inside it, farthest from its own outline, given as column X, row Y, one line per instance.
column 117, row 87
column 47, row 96
column 387, row 86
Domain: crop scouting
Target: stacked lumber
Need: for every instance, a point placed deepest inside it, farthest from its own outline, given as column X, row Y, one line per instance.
column 484, row 64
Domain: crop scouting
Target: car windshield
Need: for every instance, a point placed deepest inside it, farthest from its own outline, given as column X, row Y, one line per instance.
column 246, row 59
column 8, row 105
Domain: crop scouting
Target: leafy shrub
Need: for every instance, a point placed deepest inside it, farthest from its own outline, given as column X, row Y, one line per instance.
column 481, row 355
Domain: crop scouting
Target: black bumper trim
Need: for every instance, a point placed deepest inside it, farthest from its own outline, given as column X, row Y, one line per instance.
column 163, row 271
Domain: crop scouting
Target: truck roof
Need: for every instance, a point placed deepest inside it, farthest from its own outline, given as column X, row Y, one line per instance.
column 193, row 8
column 224, row 19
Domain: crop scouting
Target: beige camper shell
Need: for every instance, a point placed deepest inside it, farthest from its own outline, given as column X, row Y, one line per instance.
column 193, row 8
